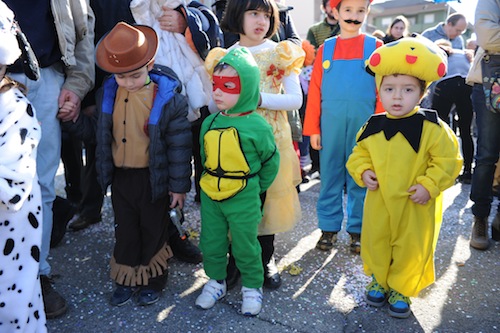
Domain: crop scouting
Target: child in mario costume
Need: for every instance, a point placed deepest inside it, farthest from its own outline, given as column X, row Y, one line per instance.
column 342, row 96
column 406, row 158
column 241, row 160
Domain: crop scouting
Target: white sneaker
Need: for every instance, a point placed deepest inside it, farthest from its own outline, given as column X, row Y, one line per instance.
column 252, row 301
column 211, row 293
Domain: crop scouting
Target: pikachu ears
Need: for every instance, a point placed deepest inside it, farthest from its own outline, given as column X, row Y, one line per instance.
column 416, row 56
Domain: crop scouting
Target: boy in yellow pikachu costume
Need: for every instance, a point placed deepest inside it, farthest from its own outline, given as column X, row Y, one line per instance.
column 406, row 157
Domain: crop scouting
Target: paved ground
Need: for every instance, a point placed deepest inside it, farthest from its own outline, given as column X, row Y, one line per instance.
column 327, row 296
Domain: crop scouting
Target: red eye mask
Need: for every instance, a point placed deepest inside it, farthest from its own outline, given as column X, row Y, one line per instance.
column 221, row 81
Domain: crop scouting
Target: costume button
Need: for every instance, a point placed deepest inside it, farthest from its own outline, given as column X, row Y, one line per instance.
column 326, row 64
column 126, row 100
column 124, row 140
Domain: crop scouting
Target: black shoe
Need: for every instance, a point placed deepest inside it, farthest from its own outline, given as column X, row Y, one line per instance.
column 465, row 177
column 272, row 278
column 148, row 297
column 184, row 250
column 303, row 173
column 83, row 222
column 122, row 295
column 273, row 281
column 313, row 174
column 55, row 304
column 62, row 212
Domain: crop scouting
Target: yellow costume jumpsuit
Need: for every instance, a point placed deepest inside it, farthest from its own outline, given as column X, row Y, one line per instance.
column 399, row 236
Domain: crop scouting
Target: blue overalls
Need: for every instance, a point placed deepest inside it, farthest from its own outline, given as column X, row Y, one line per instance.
column 348, row 98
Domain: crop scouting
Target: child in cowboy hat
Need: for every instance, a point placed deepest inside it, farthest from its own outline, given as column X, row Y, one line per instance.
column 406, row 157
column 341, row 97
column 144, row 153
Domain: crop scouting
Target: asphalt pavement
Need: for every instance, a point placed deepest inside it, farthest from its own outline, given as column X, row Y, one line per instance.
column 321, row 291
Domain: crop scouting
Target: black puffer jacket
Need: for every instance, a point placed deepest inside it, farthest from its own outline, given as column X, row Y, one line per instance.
column 169, row 134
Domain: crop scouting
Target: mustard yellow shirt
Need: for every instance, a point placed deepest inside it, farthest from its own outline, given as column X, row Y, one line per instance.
column 130, row 145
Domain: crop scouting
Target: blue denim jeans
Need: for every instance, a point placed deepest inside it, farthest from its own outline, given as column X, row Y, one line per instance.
column 44, row 94
column 488, row 149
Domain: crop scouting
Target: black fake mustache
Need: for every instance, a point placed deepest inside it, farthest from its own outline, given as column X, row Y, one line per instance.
column 352, row 21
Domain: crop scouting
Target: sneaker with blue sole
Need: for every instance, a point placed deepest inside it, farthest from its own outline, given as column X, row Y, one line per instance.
column 376, row 294
column 399, row 305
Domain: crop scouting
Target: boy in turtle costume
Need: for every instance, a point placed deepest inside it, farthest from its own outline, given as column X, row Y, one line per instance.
column 240, row 162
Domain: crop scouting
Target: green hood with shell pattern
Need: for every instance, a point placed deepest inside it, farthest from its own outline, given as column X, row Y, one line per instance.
column 243, row 62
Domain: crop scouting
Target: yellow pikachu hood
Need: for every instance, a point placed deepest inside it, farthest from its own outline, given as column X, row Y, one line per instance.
column 415, row 56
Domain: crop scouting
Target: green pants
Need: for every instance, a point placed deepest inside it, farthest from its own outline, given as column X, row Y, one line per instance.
column 241, row 216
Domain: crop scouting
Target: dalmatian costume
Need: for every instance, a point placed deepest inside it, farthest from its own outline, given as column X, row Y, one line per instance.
column 21, row 303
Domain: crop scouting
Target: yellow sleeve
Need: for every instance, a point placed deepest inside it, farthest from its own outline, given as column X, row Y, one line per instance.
column 290, row 57
column 445, row 162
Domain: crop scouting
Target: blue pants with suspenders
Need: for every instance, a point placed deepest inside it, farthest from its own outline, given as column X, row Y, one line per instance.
column 348, row 97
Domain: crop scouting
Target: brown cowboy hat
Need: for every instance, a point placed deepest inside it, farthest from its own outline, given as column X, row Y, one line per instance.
column 126, row 48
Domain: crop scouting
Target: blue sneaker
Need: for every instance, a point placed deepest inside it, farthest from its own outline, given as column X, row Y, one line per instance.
column 399, row 305
column 148, row 296
column 376, row 294
column 122, row 295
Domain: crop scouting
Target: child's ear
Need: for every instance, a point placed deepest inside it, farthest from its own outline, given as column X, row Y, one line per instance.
column 335, row 13
column 151, row 65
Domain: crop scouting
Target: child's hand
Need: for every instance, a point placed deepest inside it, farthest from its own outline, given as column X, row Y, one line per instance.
column 421, row 195
column 315, row 140
column 70, row 103
column 177, row 199
column 370, row 179
column 65, row 111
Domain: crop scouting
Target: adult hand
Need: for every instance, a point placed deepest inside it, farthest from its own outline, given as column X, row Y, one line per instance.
column 69, row 105
column 171, row 20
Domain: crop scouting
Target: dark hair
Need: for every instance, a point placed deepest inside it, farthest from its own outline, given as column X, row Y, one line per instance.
column 397, row 19
column 423, row 87
column 325, row 2
column 454, row 18
column 235, row 11
column 221, row 66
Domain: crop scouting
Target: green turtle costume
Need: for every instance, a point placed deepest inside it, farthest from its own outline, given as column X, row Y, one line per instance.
column 240, row 162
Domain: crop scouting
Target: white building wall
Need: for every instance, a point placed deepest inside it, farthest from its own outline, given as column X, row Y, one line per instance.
column 303, row 14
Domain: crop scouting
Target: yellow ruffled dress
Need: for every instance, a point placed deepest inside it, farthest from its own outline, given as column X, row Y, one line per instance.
column 276, row 61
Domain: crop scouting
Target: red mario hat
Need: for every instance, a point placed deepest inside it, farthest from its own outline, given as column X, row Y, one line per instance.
column 334, row 3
